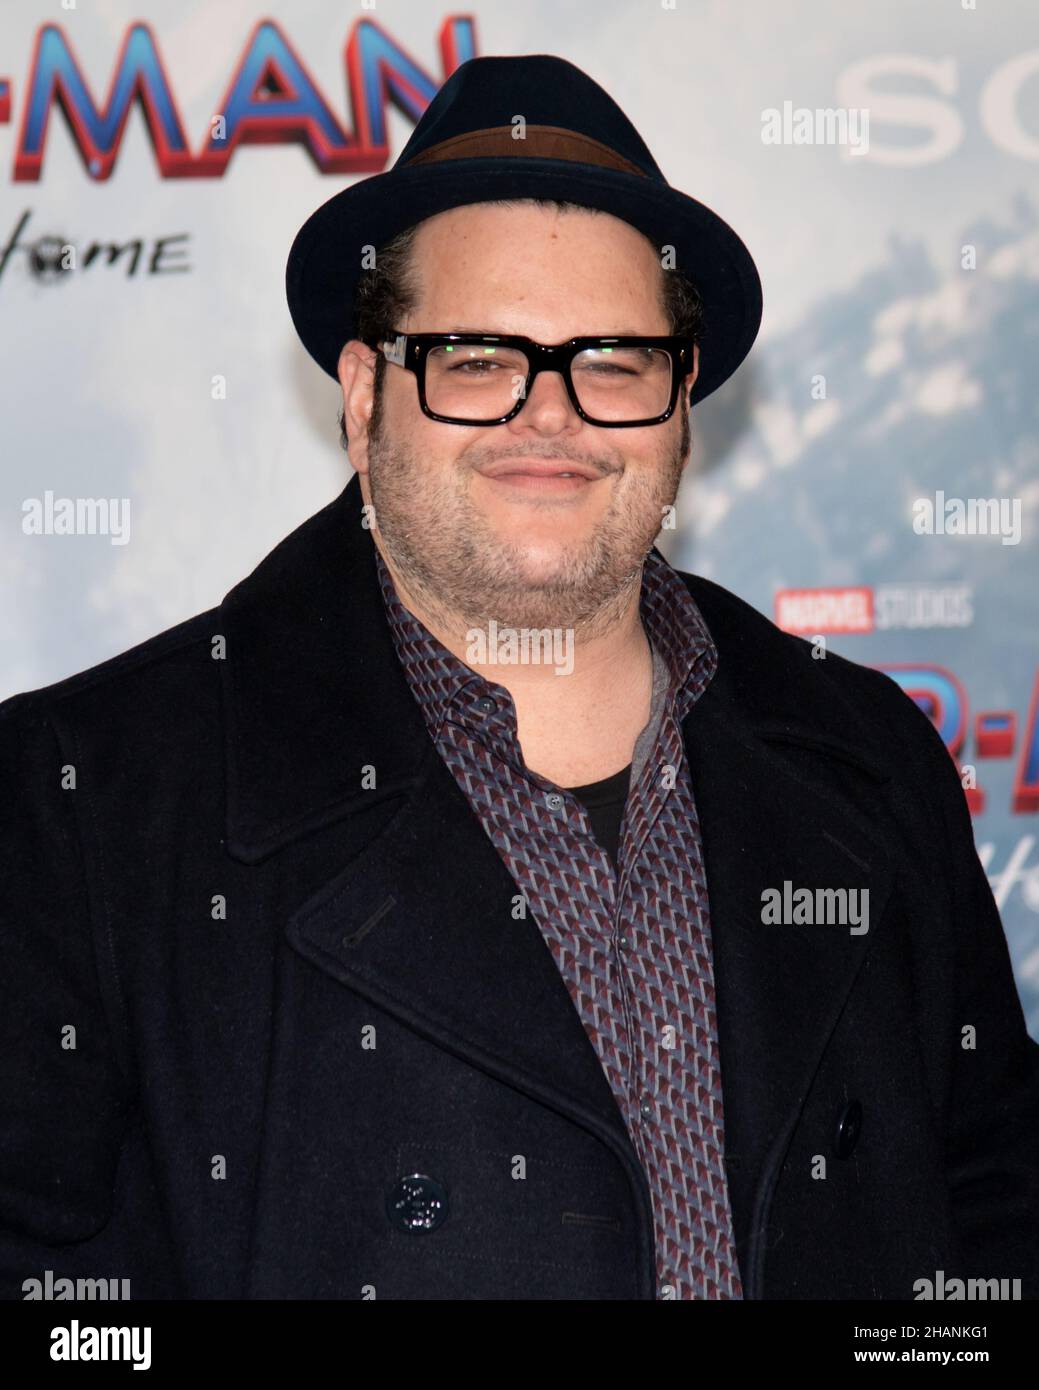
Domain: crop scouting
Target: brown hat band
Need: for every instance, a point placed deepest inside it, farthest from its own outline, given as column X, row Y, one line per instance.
column 540, row 142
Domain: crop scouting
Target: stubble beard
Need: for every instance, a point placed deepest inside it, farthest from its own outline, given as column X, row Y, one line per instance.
column 457, row 569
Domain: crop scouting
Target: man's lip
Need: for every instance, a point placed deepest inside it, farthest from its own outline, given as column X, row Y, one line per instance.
column 539, row 468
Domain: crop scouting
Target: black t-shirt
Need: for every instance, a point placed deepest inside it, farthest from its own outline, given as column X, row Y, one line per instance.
column 604, row 802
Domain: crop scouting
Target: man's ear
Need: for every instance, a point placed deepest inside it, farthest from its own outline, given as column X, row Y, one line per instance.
column 356, row 372
column 690, row 380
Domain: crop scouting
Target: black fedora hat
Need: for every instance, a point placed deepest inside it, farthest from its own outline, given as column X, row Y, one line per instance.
column 578, row 146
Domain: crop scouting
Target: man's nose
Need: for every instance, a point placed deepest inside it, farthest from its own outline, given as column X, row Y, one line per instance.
column 547, row 406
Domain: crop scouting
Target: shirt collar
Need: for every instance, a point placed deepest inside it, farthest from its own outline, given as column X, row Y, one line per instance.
column 445, row 687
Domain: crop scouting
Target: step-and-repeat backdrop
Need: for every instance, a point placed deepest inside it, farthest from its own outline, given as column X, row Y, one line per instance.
column 870, row 477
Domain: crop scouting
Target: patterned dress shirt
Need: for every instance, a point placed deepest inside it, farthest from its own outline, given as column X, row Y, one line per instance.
column 632, row 946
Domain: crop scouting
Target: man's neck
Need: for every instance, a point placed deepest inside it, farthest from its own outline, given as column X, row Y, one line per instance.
column 579, row 706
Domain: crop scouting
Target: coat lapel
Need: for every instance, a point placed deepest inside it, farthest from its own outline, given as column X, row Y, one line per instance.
column 779, row 988
column 421, row 921
column 424, row 924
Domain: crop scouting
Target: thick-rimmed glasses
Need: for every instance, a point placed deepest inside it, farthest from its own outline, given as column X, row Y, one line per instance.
column 485, row 378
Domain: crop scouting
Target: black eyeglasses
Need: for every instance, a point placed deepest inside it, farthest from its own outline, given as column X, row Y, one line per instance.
column 485, row 378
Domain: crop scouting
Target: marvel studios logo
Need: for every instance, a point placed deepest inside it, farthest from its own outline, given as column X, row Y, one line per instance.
column 863, row 608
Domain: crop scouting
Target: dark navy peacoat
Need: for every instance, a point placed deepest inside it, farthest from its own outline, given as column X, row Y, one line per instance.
column 273, row 1029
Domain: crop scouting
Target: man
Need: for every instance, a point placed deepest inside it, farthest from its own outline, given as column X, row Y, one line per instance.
column 473, row 906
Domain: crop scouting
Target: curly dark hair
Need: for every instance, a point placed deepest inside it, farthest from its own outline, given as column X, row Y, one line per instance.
column 389, row 291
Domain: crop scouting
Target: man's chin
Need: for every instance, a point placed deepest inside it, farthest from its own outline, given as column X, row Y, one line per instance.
column 533, row 569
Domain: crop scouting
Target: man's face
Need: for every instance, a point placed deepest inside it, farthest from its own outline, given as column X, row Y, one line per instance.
column 527, row 552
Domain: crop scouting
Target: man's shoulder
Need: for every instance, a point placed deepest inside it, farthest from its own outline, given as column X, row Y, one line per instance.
column 787, row 681
column 753, row 644
column 169, row 660
column 155, row 675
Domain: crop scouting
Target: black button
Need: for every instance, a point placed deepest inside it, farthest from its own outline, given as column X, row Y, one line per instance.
column 417, row 1203
column 849, row 1127
column 485, row 704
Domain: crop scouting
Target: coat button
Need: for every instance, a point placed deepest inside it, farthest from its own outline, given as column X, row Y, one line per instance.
column 849, row 1127
column 417, row 1203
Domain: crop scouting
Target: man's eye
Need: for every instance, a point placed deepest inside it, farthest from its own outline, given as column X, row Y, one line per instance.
column 607, row 369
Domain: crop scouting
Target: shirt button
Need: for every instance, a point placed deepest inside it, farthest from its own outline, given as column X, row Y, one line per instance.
column 486, row 704
column 646, row 1110
column 624, row 942
column 553, row 801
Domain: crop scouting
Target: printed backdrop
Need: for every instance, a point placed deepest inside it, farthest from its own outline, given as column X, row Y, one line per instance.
column 879, row 160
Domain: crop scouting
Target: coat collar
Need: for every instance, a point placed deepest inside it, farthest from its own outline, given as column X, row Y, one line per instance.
column 312, row 689
column 419, row 922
